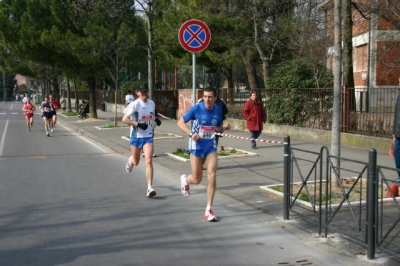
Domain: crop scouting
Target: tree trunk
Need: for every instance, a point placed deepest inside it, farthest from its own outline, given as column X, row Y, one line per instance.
column 56, row 91
column 348, row 78
column 69, row 96
column 150, row 49
column 249, row 69
column 76, row 97
column 91, row 81
column 116, row 109
column 337, row 73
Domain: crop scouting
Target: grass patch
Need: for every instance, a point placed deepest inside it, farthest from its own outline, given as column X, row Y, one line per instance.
column 181, row 152
column 108, row 125
column 303, row 196
column 70, row 113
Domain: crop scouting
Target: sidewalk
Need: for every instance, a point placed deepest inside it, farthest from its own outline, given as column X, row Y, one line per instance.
column 241, row 178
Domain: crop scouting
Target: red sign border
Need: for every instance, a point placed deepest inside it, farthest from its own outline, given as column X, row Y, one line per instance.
column 185, row 26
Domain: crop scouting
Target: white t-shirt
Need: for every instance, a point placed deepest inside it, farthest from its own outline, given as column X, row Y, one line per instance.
column 142, row 112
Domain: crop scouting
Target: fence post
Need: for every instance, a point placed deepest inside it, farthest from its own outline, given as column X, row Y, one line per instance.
column 371, row 204
column 286, row 177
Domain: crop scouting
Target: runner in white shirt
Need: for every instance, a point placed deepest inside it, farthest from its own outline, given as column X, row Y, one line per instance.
column 141, row 115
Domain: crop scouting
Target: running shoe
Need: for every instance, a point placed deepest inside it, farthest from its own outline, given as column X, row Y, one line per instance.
column 28, row 129
column 209, row 216
column 151, row 192
column 398, row 180
column 129, row 165
column 52, row 130
column 185, row 186
column 47, row 134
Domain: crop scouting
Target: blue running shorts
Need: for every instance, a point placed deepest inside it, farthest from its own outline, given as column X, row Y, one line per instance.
column 202, row 153
column 140, row 142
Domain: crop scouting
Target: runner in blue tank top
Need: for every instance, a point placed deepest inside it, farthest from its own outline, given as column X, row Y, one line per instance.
column 206, row 119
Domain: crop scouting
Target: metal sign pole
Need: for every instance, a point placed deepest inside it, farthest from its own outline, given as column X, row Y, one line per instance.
column 194, row 78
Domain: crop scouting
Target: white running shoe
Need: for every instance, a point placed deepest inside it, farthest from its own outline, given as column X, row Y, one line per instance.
column 209, row 216
column 129, row 165
column 52, row 130
column 185, row 186
column 151, row 192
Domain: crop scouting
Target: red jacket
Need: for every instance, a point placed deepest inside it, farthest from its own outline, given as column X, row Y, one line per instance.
column 255, row 115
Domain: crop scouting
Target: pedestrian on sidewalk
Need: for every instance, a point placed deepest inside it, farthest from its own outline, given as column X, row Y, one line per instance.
column 254, row 113
column 206, row 119
column 63, row 104
column 396, row 136
column 141, row 115
column 29, row 108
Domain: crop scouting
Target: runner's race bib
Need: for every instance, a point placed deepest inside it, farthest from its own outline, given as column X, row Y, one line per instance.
column 207, row 132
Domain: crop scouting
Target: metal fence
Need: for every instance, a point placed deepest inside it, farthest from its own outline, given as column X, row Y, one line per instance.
column 353, row 197
column 363, row 111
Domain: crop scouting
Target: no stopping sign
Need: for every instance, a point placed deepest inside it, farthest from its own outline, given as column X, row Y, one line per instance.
column 194, row 35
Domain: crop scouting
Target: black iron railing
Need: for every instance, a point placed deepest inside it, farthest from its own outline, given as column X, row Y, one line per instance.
column 351, row 196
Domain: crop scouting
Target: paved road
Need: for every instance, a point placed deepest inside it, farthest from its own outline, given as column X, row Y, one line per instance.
column 68, row 201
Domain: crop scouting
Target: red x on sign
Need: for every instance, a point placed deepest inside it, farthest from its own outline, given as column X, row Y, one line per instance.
column 194, row 36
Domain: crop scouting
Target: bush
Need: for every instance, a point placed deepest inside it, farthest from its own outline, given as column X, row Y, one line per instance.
column 300, row 73
column 291, row 105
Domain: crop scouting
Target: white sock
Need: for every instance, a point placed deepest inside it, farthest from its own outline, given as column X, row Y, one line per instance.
column 208, row 208
column 149, row 186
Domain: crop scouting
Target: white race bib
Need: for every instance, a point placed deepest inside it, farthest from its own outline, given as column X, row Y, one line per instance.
column 207, row 132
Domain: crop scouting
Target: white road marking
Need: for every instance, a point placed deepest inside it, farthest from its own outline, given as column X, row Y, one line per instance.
column 2, row 139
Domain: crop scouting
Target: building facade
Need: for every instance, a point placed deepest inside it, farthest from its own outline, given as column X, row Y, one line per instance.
column 376, row 51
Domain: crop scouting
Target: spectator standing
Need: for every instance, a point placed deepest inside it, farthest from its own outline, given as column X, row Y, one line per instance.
column 254, row 113
column 63, row 104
